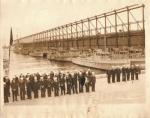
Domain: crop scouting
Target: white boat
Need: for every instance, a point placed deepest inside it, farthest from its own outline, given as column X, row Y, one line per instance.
column 105, row 60
column 38, row 53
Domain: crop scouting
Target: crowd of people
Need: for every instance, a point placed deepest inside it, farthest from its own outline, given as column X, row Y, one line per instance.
column 53, row 84
column 124, row 73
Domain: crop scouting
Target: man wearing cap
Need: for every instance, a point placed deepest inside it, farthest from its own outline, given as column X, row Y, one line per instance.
column 137, row 72
column 62, row 84
column 113, row 73
column 132, row 72
column 22, row 88
column 123, row 73
column 29, row 88
column 75, row 82
column 36, row 87
column 108, row 76
column 42, row 87
column 128, row 72
column 93, row 81
column 118, row 72
column 68, row 82
column 14, row 88
column 49, row 86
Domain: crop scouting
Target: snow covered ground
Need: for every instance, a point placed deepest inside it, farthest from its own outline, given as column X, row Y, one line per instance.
column 117, row 100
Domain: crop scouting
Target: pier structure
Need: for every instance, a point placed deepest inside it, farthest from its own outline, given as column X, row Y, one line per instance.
column 122, row 27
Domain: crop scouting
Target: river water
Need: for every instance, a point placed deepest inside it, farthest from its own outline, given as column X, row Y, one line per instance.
column 27, row 64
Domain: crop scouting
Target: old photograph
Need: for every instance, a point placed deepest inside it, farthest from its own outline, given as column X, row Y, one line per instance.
column 73, row 59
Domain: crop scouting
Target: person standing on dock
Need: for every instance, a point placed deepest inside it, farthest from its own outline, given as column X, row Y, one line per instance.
column 6, row 91
column 109, row 75
column 14, row 88
column 137, row 71
column 49, row 86
column 29, row 88
column 68, row 82
column 22, row 88
column 132, row 72
column 118, row 72
column 123, row 73
column 62, row 84
column 93, row 81
column 75, row 82
column 113, row 73
column 42, row 87
column 36, row 87
column 128, row 71
column 56, row 86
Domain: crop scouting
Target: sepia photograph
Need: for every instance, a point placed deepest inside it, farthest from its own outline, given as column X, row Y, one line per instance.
column 73, row 59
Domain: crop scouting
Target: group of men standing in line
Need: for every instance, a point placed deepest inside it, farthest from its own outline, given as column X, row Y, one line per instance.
column 124, row 73
column 59, row 83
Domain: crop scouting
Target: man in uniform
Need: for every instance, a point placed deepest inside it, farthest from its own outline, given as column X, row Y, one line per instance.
column 52, row 78
column 36, row 87
column 62, row 84
column 128, row 70
column 6, row 91
column 88, row 79
column 75, row 82
column 137, row 72
column 42, row 87
column 29, row 89
column 113, row 73
column 118, row 72
column 22, row 88
column 68, row 82
column 49, row 86
column 93, row 81
column 56, row 86
column 109, row 76
column 14, row 88
column 132, row 69
column 123, row 73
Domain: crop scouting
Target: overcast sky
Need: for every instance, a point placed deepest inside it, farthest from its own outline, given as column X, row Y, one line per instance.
column 31, row 16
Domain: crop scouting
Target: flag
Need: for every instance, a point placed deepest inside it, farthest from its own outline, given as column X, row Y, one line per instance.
column 11, row 37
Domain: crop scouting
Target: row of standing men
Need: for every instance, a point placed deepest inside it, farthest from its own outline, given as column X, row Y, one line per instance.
column 124, row 73
column 59, row 83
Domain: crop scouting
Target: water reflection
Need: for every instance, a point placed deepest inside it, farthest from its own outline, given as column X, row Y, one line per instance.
column 27, row 64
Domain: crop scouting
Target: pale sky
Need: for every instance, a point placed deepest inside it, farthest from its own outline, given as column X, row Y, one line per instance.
column 31, row 16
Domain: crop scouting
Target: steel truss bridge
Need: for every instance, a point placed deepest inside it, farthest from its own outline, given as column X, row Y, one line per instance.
column 117, row 28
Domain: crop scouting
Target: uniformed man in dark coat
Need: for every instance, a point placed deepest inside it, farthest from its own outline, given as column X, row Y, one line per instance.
column 88, row 79
column 109, row 76
column 128, row 71
column 14, row 88
column 8, row 85
column 38, row 76
column 118, row 72
column 62, row 84
column 49, row 85
column 42, row 87
column 6, row 91
column 36, row 87
column 56, row 86
column 22, row 89
column 29, row 88
column 81, row 81
column 123, row 70
column 93, row 82
column 68, row 83
column 17, row 83
column 75, row 82
column 52, row 77
column 113, row 73
column 132, row 69
column 137, row 72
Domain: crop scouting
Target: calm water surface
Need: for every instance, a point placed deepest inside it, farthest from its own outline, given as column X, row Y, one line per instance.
column 27, row 64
